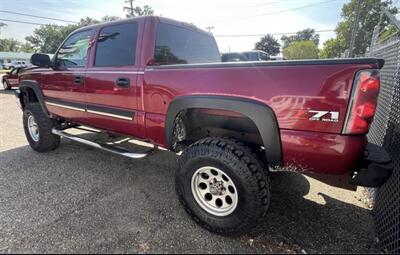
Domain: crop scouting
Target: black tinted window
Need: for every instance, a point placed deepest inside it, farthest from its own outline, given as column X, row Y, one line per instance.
column 116, row 45
column 178, row 45
column 74, row 51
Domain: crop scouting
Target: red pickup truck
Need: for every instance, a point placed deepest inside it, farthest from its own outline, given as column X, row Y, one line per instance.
column 232, row 124
column 10, row 79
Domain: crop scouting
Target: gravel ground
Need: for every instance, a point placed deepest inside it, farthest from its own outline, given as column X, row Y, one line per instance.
column 80, row 200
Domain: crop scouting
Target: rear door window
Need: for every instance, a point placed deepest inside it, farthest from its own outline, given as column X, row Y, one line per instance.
column 179, row 45
column 74, row 51
column 116, row 45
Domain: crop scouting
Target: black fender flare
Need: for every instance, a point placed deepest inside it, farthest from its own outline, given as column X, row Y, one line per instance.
column 261, row 114
column 34, row 85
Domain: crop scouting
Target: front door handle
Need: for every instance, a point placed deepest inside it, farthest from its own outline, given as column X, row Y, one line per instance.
column 78, row 80
column 123, row 82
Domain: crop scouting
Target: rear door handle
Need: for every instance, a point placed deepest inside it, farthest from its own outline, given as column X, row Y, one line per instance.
column 123, row 82
column 78, row 80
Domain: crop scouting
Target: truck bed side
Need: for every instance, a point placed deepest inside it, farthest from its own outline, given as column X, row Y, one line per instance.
column 291, row 88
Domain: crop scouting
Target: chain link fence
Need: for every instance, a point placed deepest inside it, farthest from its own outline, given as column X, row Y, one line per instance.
column 385, row 131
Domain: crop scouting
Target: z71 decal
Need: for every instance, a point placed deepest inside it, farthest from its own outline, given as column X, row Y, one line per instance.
column 329, row 116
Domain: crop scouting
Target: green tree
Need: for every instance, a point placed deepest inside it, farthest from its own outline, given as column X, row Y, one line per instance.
column 301, row 50
column 303, row 35
column 26, row 47
column 15, row 45
column 333, row 48
column 388, row 32
column 139, row 11
column 370, row 11
column 109, row 18
column 9, row 45
column 48, row 38
column 268, row 44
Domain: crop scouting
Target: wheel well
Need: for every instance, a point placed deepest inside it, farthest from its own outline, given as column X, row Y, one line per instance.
column 28, row 96
column 191, row 125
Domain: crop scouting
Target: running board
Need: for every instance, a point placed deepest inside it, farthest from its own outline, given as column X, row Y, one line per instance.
column 106, row 147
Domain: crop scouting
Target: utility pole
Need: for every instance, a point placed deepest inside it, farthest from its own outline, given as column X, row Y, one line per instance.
column 209, row 28
column 354, row 29
column 129, row 9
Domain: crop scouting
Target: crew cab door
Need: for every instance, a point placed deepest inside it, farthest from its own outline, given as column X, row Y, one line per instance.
column 64, row 85
column 111, row 79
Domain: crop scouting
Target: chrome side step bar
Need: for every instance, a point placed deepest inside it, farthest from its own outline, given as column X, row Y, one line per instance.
column 107, row 147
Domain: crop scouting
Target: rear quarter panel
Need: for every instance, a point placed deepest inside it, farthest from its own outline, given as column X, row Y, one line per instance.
column 291, row 91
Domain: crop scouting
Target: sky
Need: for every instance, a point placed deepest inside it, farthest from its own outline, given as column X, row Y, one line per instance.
column 228, row 17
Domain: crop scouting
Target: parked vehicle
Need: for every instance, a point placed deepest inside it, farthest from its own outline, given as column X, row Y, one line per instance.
column 161, row 81
column 254, row 55
column 16, row 64
column 276, row 58
column 10, row 79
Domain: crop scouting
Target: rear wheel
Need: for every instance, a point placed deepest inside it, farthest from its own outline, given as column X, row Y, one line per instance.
column 5, row 85
column 223, row 185
column 38, row 126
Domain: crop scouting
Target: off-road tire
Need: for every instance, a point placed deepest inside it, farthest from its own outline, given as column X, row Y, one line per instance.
column 246, row 171
column 47, row 140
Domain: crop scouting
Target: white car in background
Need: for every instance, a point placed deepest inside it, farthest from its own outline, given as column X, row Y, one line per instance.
column 16, row 64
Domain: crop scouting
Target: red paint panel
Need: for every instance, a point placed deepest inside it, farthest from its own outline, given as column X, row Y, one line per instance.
column 155, row 128
column 79, row 117
column 321, row 152
column 291, row 91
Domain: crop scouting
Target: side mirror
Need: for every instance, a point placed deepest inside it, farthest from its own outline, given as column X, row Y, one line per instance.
column 41, row 60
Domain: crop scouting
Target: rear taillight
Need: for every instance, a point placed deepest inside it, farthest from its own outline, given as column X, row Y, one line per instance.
column 363, row 102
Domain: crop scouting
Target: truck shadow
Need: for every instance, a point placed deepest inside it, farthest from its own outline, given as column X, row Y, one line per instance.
column 7, row 92
column 309, row 218
column 91, row 201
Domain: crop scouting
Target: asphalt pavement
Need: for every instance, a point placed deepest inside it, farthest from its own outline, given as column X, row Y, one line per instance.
column 81, row 200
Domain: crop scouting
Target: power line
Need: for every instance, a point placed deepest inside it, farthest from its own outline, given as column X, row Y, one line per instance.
column 275, row 2
column 23, row 22
column 36, row 16
column 297, row 8
column 287, row 33
column 277, row 12
column 238, row 35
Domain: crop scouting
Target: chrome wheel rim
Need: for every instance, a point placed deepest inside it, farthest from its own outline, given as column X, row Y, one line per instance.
column 33, row 128
column 214, row 191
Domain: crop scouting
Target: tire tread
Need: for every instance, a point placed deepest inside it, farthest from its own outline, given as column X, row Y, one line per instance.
column 47, row 141
column 245, row 155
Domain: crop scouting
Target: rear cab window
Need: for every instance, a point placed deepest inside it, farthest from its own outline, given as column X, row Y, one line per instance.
column 116, row 45
column 74, row 51
column 181, row 45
